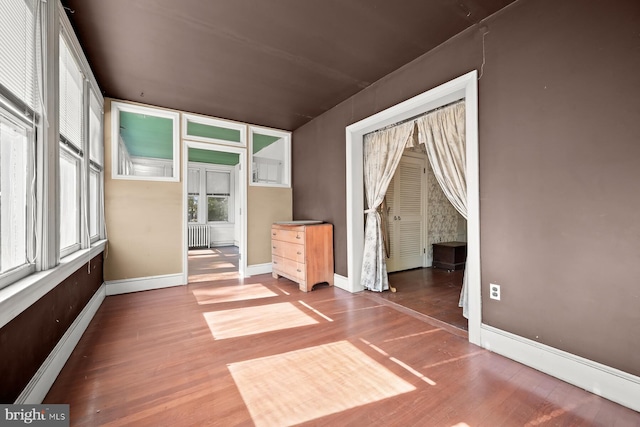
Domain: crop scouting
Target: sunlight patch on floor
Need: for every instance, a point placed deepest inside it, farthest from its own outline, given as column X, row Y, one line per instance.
column 245, row 321
column 307, row 384
column 231, row 293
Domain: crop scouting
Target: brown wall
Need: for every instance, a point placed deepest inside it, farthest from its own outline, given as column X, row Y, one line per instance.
column 559, row 156
column 27, row 340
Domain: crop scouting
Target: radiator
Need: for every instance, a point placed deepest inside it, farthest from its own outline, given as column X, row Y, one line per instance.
column 199, row 236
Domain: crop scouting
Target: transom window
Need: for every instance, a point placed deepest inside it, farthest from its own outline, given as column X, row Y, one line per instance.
column 145, row 143
column 270, row 152
column 206, row 129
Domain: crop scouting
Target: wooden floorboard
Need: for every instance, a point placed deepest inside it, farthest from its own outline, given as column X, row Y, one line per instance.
column 192, row 355
column 433, row 292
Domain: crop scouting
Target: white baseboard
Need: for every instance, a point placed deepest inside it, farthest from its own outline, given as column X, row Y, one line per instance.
column 116, row 287
column 255, row 269
column 341, row 282
column 38, row 387
column 605, row 381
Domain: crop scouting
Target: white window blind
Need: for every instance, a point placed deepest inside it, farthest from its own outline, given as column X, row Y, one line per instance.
column 17, row 49
column 193, row 181
column 96, row 146
column 218, row 183
column 70, row 97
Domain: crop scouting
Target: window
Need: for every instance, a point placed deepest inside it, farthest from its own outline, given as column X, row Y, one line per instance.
column 215, row 184
column 96, row 156
column 270, row 152
column 206, row 129
column 18, row 121
column 218, row 193
column 28, row 146
column 145, row 143
column 71, row 149
column 15, row 180
column 69, row 201
column 94, row 203
column 193, row 190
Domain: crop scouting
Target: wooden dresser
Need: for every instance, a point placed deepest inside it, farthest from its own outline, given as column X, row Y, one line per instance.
column 303, row 253
column 450, row 255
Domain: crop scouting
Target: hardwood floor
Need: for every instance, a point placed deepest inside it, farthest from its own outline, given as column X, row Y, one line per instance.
column 213, row 263
column 260, row 352
column 433, row 292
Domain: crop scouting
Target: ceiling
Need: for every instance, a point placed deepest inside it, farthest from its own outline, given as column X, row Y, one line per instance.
column 276, row 63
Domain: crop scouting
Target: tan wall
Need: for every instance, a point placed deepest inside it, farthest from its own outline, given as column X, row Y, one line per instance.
column 144, row 222
column 265, row 205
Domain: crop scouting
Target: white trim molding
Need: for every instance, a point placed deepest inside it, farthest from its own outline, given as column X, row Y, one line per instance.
column 605, row 381
column 255, row 269
column 19, row 296
column 340, row 281
column 464, row 87
column 126, row 286
column 241, row 192
column 38, row 387
column 211, row 121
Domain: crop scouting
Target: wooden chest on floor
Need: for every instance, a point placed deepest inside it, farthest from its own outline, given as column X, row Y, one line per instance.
column 303, row 253
column 450, row 255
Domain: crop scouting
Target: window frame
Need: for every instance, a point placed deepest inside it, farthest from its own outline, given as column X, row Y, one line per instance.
column 25, row 286
column 28, row 267
column 116, row 108
column 286, row 164
column 203, row 197
column 99, row 195
column 65, row 151
column 209, row 121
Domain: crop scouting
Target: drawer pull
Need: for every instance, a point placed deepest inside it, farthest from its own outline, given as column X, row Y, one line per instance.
column 298, row 270
column 299, row 253
column 273, row 234
column 275, row 262
column 297, row 236
column 273, row 247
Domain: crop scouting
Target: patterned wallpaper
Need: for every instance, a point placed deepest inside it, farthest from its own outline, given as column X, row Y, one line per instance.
column 444, row 223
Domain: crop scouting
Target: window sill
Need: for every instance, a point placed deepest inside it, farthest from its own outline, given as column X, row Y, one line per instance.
column 20, row 295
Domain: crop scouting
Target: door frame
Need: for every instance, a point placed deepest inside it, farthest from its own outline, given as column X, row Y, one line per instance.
column 465, row 86
column 241, row 188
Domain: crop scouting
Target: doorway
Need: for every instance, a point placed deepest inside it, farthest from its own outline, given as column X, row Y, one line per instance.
column 214, row 211
column 419, row 215
column 466, row 87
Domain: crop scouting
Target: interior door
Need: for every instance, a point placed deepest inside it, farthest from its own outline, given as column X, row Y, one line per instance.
column 405, row 200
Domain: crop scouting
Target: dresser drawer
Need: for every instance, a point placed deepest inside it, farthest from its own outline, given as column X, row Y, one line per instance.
column 288, row 250
column 290, row 268
column 291, row 236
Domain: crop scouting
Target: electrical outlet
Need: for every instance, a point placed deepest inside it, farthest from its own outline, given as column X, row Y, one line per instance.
column 494, row 291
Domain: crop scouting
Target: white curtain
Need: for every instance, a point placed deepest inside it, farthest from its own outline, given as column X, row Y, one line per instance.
column 382, row 152
column 443, row 133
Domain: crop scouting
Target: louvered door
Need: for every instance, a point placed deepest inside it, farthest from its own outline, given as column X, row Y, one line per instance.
column 405, row 198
